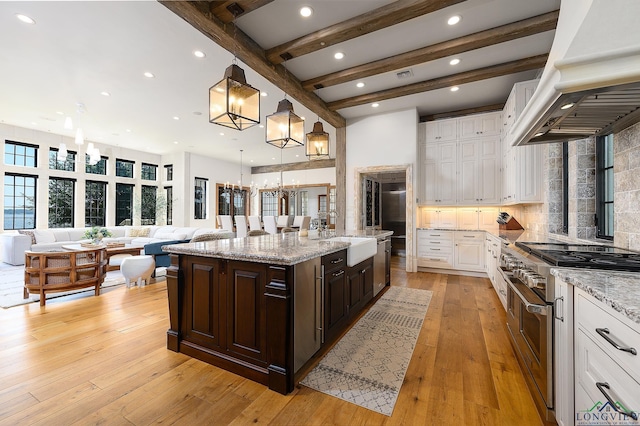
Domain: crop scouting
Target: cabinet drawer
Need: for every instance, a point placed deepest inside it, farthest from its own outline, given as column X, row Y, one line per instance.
column 431, row 235
column 334, row 260
column 590, row 317
column 444, row 261
column 594, row 366
column 469, row 236
column 430, row 251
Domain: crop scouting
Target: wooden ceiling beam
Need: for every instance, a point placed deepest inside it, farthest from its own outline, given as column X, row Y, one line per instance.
column 220, row 9
column 462, row 112
column 249, row 52
column 374, row 20
column 506, row 68
column 504, row 33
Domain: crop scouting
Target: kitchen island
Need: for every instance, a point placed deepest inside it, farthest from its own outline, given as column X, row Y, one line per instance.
column 261, row 307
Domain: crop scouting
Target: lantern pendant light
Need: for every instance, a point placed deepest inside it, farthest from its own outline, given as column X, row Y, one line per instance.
column 284, row 128
column 317, row 142
column 232, row 102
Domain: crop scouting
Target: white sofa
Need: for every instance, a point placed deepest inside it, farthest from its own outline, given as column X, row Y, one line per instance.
column 14, row 244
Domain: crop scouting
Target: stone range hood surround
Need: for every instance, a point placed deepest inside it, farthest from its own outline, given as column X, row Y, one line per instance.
column 595, row 63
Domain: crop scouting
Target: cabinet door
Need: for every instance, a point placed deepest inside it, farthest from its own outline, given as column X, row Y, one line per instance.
column 468, row 256
column 563, row 347
column 487, row 218
column 488, row 179
column 204, row 307
column 468, row 162
column 442, row 130
column 529, row 173
column 480, row 125
column 246, row 310
column 355, row 296
column 367, row 280
column 447, row 218
column 336, row 294
column 446, row 180
column 468, row 218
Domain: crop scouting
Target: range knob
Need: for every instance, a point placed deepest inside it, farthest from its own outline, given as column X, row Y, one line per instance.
column 536, row 281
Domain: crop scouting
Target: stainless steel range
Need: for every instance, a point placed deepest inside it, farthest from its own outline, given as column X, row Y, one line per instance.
column 525, row 267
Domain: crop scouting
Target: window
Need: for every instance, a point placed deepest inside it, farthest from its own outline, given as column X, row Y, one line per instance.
column 169, row 195
column 604, row 187
column 19, row 201
column 69, row 164
column 100, row 168
column 169, row 172
column 95, row 203
column 20, row 154
column 148, row 171
column 232, row 202
column 565, row 187
column 124, row 204
column 268, row 204
column 124, row 168
column 61, row 196
column 148, row 205
column 200, row 198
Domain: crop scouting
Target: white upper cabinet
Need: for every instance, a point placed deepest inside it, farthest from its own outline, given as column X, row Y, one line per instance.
column 439, row 168
column 442, row 130
column 479, row 163
column 480, row 125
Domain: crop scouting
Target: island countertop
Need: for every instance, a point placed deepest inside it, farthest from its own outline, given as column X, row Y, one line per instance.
column 278, row 249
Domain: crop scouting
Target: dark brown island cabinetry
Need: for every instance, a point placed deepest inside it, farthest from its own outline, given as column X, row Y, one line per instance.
column 259, row 320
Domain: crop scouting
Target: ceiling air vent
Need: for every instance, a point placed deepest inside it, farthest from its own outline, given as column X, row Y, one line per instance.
column 404, row 74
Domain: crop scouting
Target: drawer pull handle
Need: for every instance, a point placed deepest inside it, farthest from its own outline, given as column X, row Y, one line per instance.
column 434, row 249
column 337, row 274
column 338, row 260
column 556, row 306
column 604, row 332
column 615, row 405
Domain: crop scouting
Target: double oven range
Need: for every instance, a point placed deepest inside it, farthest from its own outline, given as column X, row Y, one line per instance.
column 525, row 266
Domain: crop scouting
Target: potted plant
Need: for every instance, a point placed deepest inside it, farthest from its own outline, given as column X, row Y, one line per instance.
column 96, row 234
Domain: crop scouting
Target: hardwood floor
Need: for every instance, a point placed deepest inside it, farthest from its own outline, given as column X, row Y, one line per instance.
column 103, row 360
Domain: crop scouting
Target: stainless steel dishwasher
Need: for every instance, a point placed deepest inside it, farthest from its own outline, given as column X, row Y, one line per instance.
column 379, row 266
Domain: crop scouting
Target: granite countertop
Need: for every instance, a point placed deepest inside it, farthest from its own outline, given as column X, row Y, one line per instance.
column 619, row 290
column 279, row 249
column 377, row 233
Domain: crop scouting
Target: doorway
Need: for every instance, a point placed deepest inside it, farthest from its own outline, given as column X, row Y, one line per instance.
column 382, row 210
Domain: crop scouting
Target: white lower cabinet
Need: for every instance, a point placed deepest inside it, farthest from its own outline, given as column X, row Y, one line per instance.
column 607, row 364
column 469, row 251
column 438, row 217
column 563, row 344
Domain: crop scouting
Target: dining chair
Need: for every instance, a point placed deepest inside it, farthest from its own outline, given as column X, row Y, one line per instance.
column 297, row 222
column 270, row 224
column 226, row 222
column 241, row 226
column 254, row 223
column 283, row 221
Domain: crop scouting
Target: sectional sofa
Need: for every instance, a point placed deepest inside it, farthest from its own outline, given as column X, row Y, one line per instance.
column 41, row 240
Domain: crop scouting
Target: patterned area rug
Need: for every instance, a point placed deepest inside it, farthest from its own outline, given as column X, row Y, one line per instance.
column 12, row 283
column 367, row 366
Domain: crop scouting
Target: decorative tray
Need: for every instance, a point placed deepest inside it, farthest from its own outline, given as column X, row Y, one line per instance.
column 91, row 245
column 115, row 245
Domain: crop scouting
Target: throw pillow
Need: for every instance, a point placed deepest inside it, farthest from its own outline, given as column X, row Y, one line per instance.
column 44, row 236
column 139, row 232
column 30, row 233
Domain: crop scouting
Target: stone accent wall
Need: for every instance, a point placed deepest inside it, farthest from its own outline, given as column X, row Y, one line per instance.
column 553, row 188
column 582, row 188
column 626, row 199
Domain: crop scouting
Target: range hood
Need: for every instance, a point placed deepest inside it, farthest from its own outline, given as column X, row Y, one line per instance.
column 591, row 82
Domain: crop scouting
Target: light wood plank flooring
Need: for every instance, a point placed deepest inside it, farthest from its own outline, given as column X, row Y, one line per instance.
column 103, row 360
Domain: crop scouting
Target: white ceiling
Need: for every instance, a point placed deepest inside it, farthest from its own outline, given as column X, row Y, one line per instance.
column 78, row 49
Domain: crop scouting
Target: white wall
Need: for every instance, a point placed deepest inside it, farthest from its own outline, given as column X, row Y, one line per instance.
column 381, row 140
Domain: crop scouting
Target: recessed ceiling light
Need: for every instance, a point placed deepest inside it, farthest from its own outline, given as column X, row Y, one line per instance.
column 33, row 123
column 105, row 93
column 176, row 118
column 360, row 84
column 251, row 161
column 454, row 89
column 297, row 155
column 273, row 158
column 197, row 113
column 455, row 61
column 261, row 126
column 199, row 54
column 25, row 18
column 128, row 130
column 306, row 11
column 149, row 74
column 264, row 94
column 221, row 134
column 59, row 112
column 454, row 19
column 567, row 106
column 175, row 142
column 338, row 55
column 375, row 105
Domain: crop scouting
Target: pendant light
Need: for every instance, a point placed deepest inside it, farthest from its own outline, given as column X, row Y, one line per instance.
column 284, row 128
column 232, row 102
column 317, row 142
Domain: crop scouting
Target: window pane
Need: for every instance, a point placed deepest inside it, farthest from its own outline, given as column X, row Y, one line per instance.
column 124, row 204
column 61, row 196
column 169, row 171
column 124, row 168
column 148, row 171
column 148, row 205
column 20, row 154
column 19, row 202
column 169, row 196
column 605, row 187
column 100, row 168
column 95, row 203
column 200, row 198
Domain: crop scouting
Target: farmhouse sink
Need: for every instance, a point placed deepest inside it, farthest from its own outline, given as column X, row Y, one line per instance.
column 359, row 250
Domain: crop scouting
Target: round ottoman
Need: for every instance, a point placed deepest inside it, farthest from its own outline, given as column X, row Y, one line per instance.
column 137, row 268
